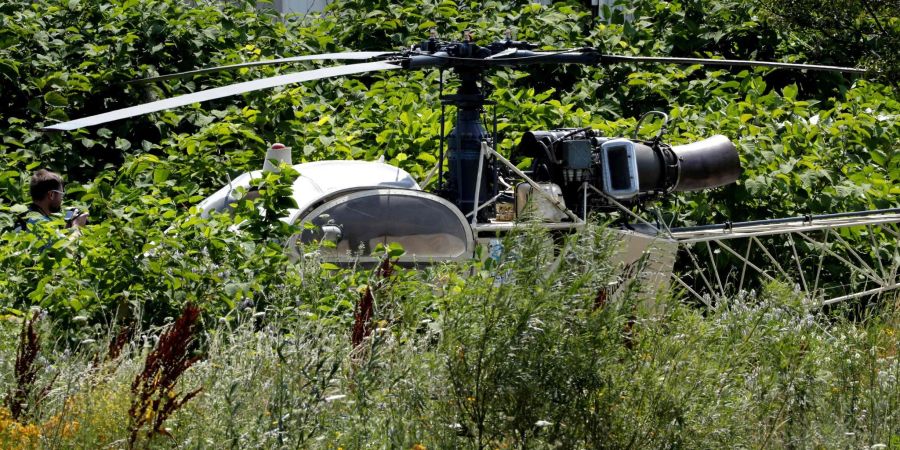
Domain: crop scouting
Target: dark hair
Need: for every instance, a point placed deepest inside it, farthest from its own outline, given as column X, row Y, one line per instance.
column 42, row 182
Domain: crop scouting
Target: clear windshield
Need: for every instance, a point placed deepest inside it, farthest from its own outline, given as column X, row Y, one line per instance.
column 424, row 226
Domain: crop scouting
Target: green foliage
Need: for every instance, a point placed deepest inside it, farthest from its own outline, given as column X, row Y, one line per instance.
column 524, row 340
column 498, row 355
column 146, row 260
column 846, row 31
column 809, row 142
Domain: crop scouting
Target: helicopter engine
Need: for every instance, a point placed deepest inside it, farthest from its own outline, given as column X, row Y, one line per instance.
column 625, row 170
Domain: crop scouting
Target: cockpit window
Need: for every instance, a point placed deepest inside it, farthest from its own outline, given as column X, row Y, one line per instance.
column 358, row 222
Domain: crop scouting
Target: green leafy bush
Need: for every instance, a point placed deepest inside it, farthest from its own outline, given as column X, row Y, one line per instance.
column 521, row 352
column 497, row 354
column 809, row 143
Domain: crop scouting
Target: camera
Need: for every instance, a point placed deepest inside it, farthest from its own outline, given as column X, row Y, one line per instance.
column 73, row 214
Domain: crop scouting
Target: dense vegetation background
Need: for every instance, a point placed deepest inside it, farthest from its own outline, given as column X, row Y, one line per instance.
column 456, row 362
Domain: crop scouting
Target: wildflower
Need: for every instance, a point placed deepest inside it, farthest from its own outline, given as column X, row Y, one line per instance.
column 10, row 429
column 70, row 428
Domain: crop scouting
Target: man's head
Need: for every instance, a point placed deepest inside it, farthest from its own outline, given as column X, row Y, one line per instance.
column 47, row 190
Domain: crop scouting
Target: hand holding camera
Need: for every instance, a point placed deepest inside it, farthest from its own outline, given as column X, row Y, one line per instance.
column 76, row 218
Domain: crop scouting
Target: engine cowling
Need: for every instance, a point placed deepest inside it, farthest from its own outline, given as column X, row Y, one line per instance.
column 628, row 170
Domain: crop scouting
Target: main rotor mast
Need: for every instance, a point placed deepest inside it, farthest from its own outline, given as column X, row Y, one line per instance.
column 469, row 170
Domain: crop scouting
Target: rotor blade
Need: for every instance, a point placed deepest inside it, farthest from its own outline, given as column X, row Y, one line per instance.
column 323, row 56
column 220, row 92
column 590, row 56
column 727, row 62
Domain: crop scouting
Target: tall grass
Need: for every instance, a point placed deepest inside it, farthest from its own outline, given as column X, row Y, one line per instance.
column 515, row 353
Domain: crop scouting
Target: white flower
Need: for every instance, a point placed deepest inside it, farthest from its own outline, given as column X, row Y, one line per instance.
column 542, row 423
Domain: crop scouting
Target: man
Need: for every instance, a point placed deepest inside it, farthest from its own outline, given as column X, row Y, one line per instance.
column 47, row 194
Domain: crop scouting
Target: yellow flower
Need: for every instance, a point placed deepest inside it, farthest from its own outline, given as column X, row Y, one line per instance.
column 70, row 428
column 418, row 447
column 22, row 436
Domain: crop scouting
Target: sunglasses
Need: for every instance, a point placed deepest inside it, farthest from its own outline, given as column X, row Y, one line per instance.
column 61, row 193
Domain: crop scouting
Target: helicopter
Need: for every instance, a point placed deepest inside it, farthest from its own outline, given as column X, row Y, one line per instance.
column 482, row 195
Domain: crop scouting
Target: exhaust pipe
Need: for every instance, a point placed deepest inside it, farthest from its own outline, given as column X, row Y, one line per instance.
column 707, row 164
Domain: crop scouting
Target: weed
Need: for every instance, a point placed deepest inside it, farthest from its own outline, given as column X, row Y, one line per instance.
column 514, row 353
column 23, row 401
column 153, row 389
column 365, row 307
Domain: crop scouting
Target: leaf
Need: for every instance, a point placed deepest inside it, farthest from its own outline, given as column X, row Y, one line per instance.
column 426, row 158
column 54, row 98
column 9, row 140
column 328, row 266
column 123, row 144
column 428, row 24
column 58, row 114
column 160, row 175
column 789, row 92
column 395, row 250
column 9, row 69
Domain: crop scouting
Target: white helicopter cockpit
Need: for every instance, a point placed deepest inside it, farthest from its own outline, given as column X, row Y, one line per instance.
column 356, row 205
